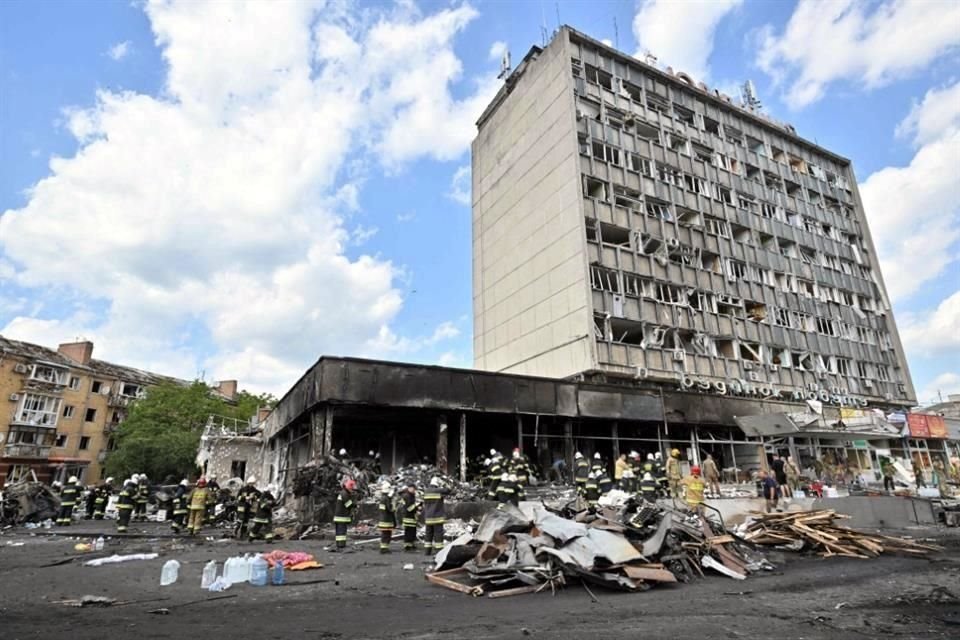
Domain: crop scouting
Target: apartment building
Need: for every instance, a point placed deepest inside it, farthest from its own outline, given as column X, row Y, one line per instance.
column 64, row 405
column 631, row 225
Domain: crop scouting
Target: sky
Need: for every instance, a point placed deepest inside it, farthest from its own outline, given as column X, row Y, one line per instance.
column 229, row 190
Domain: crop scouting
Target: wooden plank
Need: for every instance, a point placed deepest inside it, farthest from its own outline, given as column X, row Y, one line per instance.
column 721, row 539
column 651, row 575
column 454, row 586
column 506, row 593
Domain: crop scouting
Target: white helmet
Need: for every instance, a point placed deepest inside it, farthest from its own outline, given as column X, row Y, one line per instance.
column 342, row 452
column 657, row 455
column 435, row 481
column 370, row 453
column 634, row 454
column 504, row 476
column 596, row 456
column 513, row 477
column 184, row 483
column 647, row 476
column 135, row 477
column 252, row 480
column 650, row 456
column 486, row 462
column 592, row 474
column 493, row 452
column 72, row 479
column 385, row 486
column 577, row 455
column 56, row 483
column 108, row 480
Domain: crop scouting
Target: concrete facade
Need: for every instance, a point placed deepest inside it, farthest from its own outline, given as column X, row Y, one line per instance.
column 630, row 223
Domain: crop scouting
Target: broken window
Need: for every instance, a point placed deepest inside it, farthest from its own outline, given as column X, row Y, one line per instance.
column 806, row 288
column 736, row 269
column 793, row 219
column 756, row 145
column 604, row 279
column 772, row 211
column 725, row 348
column 615, row 118
column 84, row 443
column 45, row 373
column 710, row 261
column 792, row 188
column 716, row 226
column 733, row 135
column 677, row 143
column 772, row 180
column 583, row 144
column 700, row 300
column 778, row 154
column 684, row 115
column 599, row 76
column 722, row 194
column 591, row 226
column 747, row 203
column 631, row 90
column 862, row 370
column 640, row 165
column 781, row 317
column 726, row 163
column 695, row 184
column 670, row 294
column 741, row 234
column 711, row 126
column 606, row 153
column 756, row 311
column 626, row 197
column 768, row 242
column 658, row 209
column 656, row 102
column 729, row 305
column 808, row 255
column 702, row 153
column 753, row 173
column 826, row 327
column 647, row 132
column 612, row 234
column 802, row 321
column 797, row 164
column 38, row 410
column 803, row 360
column 785, row 281
column 751, row 351
column 817, row 172
column 780, row 357
column 883, row 373
column 649, row 245
column 788, row 248
column 669, row 174
column 61, row 441
column 594, row 188
column 813, row 196
column 841, row 366
column 688, row 217
column 90, row 416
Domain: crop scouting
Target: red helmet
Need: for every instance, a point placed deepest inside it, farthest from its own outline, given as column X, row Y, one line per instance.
column 349, row 484
column 202, row 482
column 695, row 470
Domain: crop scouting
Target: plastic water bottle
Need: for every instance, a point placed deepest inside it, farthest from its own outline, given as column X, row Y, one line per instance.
column 258, row 572
column 98, row 544
column 170, row 573
column 209, row 574
column 278, row 573
column 248, row 566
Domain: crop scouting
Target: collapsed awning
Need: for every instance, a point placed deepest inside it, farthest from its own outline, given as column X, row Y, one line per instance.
column 863, row 427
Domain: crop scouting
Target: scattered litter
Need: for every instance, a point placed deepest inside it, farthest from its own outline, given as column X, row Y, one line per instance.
column 118, row 558
column 89, row 601
column 292, row 560
column 82, row 546
column 14, row 544
column 840, row 605
column 218, row 585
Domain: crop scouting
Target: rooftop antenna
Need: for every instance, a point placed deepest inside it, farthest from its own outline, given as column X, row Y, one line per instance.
column 616, row 34
column 504, row 65
column 748, row 96
column 543, row 24
column 557, row 7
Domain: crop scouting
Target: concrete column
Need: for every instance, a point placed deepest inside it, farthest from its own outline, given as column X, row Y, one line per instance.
column 615, row 434
column 520, row 431
column 442, row 444
column 463, row 447
column 327, row 430
column 317, row 433
column 568, row 445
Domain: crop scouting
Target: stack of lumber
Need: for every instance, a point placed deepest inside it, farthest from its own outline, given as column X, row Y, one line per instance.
column 816, row 530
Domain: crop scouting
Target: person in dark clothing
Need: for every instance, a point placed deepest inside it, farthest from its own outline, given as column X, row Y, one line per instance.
column 604, row 482
column 68, row 499
column 434, row 515
column 141, row 498
column 591, row 490
column 779, row 470
column 771, row 490
column 103, row 493
column 628, row 482
column 649, row 487
column 125, row 504
column 388, row 518
column 495, row 470
column 343, row 513
column 506, row 490
column 90, row 500
column 262, row 528
column 519, row 466
column 214, row 488
column 247, row 499
column 180, row 506
column 409, row 516
column 581, row 469
column 888, row 472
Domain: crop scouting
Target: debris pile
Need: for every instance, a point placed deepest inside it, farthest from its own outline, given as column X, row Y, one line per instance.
column 533, row 549
column 35, row 502
column 322, row 479
column 421, row 474
column 816, row 531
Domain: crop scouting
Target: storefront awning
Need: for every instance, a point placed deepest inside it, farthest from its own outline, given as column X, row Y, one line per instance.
column 770, row 424
column 810, row 425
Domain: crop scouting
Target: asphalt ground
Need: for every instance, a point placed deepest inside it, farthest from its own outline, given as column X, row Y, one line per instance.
column 364, row 594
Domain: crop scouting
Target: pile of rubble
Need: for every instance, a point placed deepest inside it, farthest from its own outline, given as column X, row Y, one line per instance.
column 816, row 531
column 421, row 474
column 533, row 548
column 29, row 502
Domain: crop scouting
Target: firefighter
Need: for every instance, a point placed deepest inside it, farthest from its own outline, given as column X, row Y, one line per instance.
column 264, row 503
column 180, row 506
column 694, row 487
column 660, row 473
column 125, row 504
column 598, row 465
column 247, row 499
column 520, row 467
column 57, row 487
column 506, row 490
column 636, row 464
column 649, row 488
column 343, row 512
column 103, row 493
column 68, row 499
column 581, row 469
column 388, row 517
column 199, row 498
column 628, row 482
column 409, row 516
column 650, row 466
column 434, row 515
column 496, row 470
column 673, row 473
column 143, row 496
column 214, row 488
column 90, row 499
column 591, row 490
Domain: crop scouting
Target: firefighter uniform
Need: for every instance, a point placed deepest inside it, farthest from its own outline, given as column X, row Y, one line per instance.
column 247, row 499
column 591, row 490
column 520, row 467
column 496, row 469
column 604, row 483
column 179, row 508
column 507, row 492
column 694, row 487
column 343, row 516
column 262, row 528
column 141, row 499
column 388, row 520
column 581, row 470
column 649, row 488
column 68, row 499
column 199, row 498
column 214, row 488
column 409, row 516
column 100, row 500
column 91, row 500
column 125, row 505
column 434, row 515
column 673, row 475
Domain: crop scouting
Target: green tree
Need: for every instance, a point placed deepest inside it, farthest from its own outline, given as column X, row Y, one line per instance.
column 161, row 432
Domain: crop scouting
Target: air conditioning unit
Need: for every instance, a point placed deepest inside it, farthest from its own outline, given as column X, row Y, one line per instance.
column 579, row 114
column 641, row 373
column 14, row 397
column 888, row 396
column 20, row 368
column 753, row 376
column 679, row 356
column 868, row 384
column 748, row 366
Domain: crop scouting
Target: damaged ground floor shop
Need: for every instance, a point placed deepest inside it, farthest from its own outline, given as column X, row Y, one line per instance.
column 453, row 417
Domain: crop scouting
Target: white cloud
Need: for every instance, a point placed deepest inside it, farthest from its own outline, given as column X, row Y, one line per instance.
column 180, row 217
column 453, row 359
column 497, row 49
column 943, row 385
column 866, row 43
column 360, row 234
column 120, row 50
column 409, row 216
column 680, row 34
column 914, row 211
column 933, row 333
column 935, row 116
column 460, row 187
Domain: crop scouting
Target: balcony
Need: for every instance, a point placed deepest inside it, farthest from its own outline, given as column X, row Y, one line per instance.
column 34, row 419
column 21, row 450
column 117, row 400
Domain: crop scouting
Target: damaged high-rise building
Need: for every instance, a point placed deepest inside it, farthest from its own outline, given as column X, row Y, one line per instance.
column 630, row 224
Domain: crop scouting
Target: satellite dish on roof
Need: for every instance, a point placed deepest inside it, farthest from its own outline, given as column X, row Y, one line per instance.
column 504, row 65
